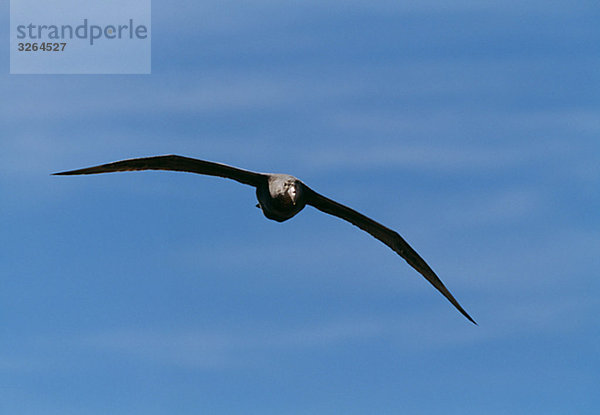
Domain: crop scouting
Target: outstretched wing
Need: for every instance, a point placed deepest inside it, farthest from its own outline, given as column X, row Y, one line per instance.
column 385, row 235
column 175, row 163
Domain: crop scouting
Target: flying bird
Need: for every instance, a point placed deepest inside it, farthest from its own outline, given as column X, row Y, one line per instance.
column 280, row 197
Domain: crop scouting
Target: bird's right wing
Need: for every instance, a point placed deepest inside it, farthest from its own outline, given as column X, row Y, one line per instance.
column 175, row 163
column 385, row 235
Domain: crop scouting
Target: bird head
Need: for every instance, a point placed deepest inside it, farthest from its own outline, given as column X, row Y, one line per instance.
column 293, row 189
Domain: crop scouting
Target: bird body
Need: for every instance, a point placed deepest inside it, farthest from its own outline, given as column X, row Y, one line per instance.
column 281, row 197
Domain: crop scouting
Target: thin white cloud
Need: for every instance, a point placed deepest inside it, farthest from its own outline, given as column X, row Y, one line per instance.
column 510, row 206
column 420, row 157
column 233, row 17
column 206, row 349
column 212, row 349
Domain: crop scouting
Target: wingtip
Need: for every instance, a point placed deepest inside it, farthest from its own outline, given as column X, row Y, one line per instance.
column 444, row 291
column 462, row 311
column 471, row 320
column 87, row 170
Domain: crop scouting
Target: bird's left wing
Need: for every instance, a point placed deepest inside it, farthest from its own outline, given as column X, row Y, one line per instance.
column 175, row 163
column 385, row 235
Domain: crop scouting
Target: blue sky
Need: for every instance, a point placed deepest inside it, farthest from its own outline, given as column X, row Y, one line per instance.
column 470, row 127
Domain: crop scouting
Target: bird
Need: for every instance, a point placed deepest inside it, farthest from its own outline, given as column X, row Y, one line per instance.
column 281, row 197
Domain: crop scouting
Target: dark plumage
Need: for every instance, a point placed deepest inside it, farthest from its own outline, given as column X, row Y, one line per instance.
column 280, row 197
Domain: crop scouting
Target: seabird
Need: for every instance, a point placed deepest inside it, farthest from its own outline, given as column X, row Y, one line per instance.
column 280, row 197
